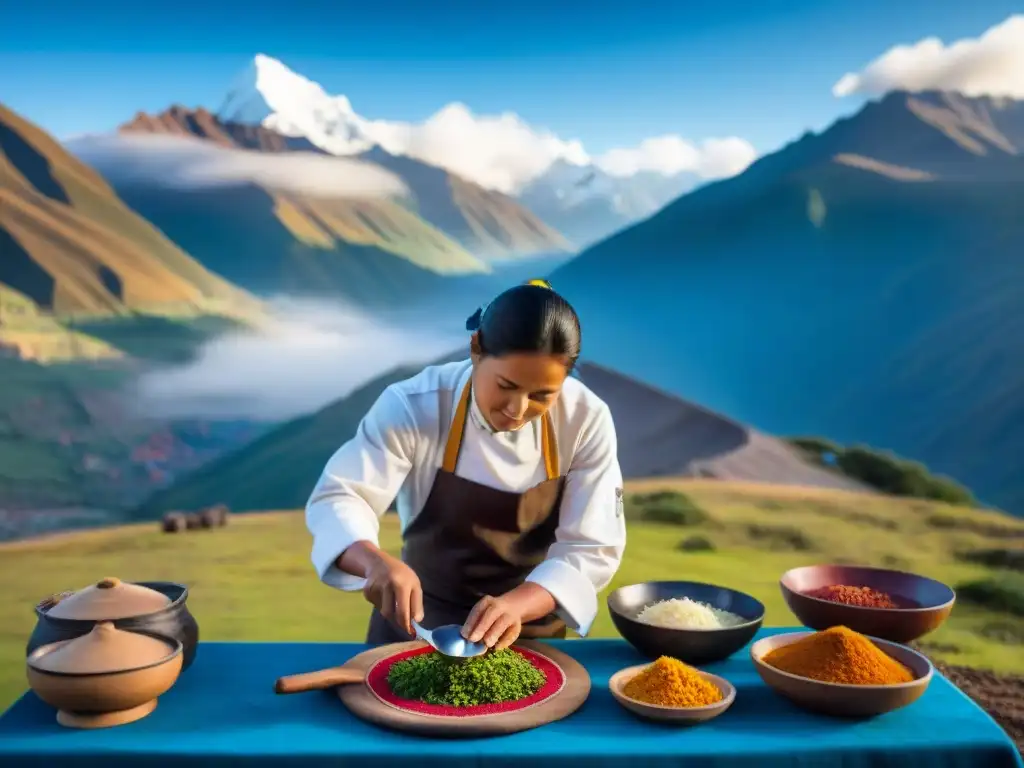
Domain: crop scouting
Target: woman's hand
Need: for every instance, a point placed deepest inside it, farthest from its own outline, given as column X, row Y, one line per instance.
column 494, row 620
column 499, row 620
column 394, row 589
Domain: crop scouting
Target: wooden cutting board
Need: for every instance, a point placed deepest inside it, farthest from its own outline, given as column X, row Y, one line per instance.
column 366, row 705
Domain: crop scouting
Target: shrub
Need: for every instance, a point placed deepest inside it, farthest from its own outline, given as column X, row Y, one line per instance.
column 885, row 471
column 1010, row 559
column 816, row 446
column 979, row 527
column 1004, row 595
column 782, row 537
column 892, row 561
column 891, row 474
column 931, row 646
column 1004, row 632
column 669, row 507
column 696, row 544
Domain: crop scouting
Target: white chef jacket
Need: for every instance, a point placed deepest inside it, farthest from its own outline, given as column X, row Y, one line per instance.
column 398, row 449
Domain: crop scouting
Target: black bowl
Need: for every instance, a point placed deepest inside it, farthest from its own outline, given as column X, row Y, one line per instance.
column 692, row 646
column 174, row 621
column 929, row 602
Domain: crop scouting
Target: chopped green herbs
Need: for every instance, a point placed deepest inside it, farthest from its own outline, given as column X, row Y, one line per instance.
column 497, row 676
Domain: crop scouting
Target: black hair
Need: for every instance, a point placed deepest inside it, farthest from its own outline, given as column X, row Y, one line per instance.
column 528, row 318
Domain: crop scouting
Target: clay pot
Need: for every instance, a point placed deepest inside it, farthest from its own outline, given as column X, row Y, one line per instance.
column 104, row 678
column 173, row 522
column 157, row 607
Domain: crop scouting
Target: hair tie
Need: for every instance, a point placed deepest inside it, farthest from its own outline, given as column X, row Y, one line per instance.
column 473, row 323
column 540, row 283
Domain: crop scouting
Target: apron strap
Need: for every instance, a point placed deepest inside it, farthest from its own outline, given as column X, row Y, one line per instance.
column 454, row 444
column 549, row 447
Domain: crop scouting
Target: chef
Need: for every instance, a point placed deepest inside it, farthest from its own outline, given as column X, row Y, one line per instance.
column 508, row 488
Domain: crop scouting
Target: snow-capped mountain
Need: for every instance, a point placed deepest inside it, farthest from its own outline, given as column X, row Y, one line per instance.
column 555, row 178
column 587, row 204
column 270, row 94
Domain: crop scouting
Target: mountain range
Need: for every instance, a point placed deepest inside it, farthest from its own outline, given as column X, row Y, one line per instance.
column 587, row 204
column 90, row 293
column 369, row 251
column 488, row 224
column 72, row 249
column 864, row 283
column 578, row 199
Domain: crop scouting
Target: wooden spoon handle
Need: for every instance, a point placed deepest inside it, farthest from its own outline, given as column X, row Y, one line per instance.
column 316, row 681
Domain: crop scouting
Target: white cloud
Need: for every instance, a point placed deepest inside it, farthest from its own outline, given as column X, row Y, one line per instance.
column 311, row 354
column 500, row 152
column 503, row 152
column 989, row 65
column 669, row 155
column 189, row 163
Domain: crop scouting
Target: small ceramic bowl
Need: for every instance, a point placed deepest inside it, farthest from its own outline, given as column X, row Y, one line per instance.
column 681, row 715
column 930, row 602
column 839, row 699
column 107, row 677
column 692, row 646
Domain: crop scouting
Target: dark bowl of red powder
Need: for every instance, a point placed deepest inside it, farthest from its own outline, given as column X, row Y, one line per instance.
column 893, row 605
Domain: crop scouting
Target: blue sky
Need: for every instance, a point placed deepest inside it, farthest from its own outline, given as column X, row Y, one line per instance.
column 760, row 70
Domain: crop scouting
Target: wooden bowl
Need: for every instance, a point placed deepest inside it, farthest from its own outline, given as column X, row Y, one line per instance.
column 692, row 646
column 681, row 715
column 108, row 698
column 932, row 601
column 840, row 699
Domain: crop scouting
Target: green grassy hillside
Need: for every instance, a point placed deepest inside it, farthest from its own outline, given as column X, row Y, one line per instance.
column 72, row 246
column 253, row 580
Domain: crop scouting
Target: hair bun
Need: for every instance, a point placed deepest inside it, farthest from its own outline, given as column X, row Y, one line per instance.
column 473, row 323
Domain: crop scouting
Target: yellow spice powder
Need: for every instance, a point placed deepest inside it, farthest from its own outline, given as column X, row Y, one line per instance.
column 839, row 655
column 669, row 682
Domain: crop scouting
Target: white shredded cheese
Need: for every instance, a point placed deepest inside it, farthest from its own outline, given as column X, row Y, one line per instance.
column 684, row 613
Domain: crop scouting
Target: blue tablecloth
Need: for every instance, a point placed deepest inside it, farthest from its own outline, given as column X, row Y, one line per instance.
column 223, row 711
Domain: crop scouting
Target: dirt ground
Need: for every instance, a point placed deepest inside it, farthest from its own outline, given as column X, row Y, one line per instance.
column 1002, row 696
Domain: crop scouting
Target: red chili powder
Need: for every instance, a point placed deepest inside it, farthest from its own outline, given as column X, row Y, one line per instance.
column 863, row 597
column 377, row 680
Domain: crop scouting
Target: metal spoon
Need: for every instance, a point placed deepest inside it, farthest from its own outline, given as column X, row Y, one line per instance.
column 448, row 640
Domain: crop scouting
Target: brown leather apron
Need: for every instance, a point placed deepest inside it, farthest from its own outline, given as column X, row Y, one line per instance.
column 471, row 540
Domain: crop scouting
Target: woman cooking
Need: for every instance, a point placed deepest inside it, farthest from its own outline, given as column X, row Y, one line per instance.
column 508, row 487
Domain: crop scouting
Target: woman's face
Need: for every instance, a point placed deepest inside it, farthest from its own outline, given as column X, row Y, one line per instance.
column 514, row 389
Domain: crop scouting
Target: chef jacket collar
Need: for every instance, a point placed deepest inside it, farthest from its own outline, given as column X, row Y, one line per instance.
column 478, row 417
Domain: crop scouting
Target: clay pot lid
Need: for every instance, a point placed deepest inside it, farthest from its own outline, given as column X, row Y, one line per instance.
column 105, row 649
column 109, row 598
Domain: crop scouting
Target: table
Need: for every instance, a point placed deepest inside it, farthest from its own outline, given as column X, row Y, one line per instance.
column 223, row 711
